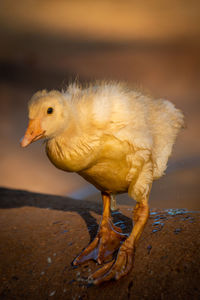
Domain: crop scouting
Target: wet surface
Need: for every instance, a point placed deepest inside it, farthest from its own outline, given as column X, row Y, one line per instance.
column 121, row 221
column 160, row 219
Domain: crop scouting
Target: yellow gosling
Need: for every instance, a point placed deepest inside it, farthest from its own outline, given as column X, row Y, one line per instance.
column 117, row 139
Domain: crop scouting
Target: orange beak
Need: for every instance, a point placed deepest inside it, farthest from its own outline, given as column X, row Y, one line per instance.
column 33, row 133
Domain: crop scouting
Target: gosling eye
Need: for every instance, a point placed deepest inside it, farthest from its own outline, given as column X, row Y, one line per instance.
column 50, row 110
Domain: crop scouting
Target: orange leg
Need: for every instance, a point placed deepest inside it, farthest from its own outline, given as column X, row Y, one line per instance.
column 139, row 189
column 107, row 241
column 124, row 261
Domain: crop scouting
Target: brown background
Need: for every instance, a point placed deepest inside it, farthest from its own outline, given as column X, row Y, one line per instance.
column 150, row 44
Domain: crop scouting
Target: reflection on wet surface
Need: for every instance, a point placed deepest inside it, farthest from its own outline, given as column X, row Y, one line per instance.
column 159, row 219
column 149, row 247
column 121, row 221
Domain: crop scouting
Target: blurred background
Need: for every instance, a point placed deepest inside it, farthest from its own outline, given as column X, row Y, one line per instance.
column 45, row 44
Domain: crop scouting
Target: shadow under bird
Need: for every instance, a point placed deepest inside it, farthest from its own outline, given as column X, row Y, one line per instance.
column 119, row 140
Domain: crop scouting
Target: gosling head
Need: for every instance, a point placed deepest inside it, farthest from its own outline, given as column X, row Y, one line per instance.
column 48, row 116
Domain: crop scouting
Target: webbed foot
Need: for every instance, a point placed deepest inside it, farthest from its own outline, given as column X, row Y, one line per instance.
column 106, row 242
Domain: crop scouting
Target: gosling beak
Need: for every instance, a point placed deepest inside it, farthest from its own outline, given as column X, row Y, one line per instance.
column 33, row 133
